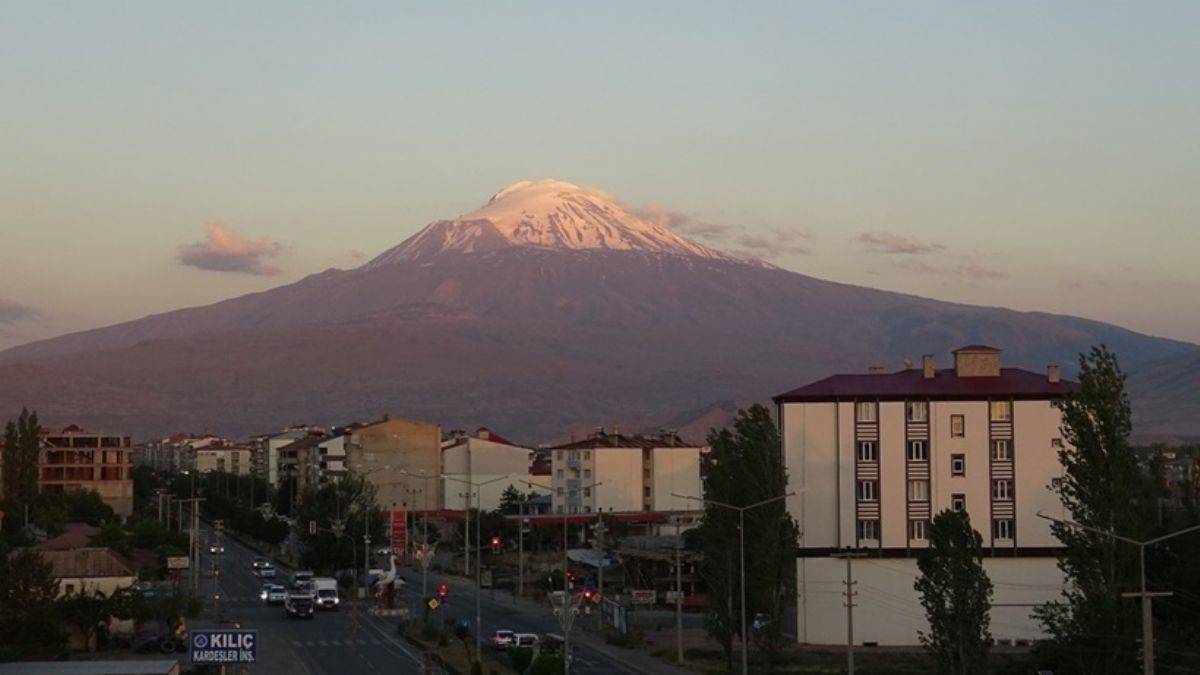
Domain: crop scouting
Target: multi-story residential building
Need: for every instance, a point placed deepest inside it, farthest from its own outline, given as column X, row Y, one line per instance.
column 401, row 457
column 879, row 454
column 634, row 473
column 74, row 459
column 232, row 459
column 274, row 462
column 320, row 459
column 485, row 457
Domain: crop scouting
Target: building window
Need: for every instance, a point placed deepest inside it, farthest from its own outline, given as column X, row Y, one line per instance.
column 587, row 509
column 958, row 465
column 1002, row 528
column 558, row 455
column 866, row 490
column 958, row 502
column 645, row 492
column 958, row 426
column 918, row 490
column 1002, row 489
column 558, row 509
column 573, row 493
column 866, row 411
column 1001, row 411
column 918, row 451
column 916, row 530
column 917, row 411
column 587, row 492
column 69, row 588
column 559, row 474
column 866, row 451
column 868, row 529
column 645, row 473
column 559, row 491
column 587, row 454
column 1001, row 449
column 1056, row 442
column 587, row 473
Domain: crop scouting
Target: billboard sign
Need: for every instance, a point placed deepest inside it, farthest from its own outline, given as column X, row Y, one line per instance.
column 177, row 562
column 223, row 646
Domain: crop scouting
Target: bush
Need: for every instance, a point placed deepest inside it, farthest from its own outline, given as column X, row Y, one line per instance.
column 546, row 664
column 520, row 658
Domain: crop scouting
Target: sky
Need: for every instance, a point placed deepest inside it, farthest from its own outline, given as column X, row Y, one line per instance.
column 1039, row 156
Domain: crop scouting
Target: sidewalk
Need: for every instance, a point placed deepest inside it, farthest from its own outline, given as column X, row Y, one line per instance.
column 584, row 633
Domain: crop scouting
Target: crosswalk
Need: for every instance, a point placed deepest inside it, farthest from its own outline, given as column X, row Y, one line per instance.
column 359, row 642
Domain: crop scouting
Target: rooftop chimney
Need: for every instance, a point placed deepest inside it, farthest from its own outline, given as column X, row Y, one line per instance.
column 877, row 370
column 927, row 369
column 977, row 361
column 1054, row 373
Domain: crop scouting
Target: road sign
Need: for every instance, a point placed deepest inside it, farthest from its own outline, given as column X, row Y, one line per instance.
column 672, row 596
column 177, row 562
column 223, row 646
column 644, row 597
column 433, row 603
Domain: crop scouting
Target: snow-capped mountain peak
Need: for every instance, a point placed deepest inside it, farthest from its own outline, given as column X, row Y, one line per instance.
column 550, row 214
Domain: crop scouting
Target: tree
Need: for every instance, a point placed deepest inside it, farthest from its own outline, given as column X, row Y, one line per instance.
column 745, row 467
column 956, row 593
column 510, row 501
column 29, row 616
column 86, row 611
column 1094, row 629
column 22, row 440
column 113, row 536
column 338, row 503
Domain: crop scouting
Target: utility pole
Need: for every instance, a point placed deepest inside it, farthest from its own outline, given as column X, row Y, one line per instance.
column 521, row 548
column 218, row 525
column 600, row 529
column 678, row 593
column 466, row 534
column 850, row 583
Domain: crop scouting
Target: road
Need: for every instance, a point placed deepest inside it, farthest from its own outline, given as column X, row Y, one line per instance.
column 342, row 641
column 501, row 611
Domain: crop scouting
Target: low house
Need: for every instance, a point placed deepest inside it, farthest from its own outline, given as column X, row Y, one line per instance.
column 91, row 569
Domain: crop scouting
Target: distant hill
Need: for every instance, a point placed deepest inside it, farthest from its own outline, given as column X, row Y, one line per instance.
column 548, row 309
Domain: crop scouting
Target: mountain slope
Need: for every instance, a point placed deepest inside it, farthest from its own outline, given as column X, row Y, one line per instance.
column 497, row 318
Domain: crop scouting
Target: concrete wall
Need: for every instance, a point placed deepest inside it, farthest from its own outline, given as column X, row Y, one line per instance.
column 382, row 450
column 889, row 611
column 620, row 469
column 676, row 471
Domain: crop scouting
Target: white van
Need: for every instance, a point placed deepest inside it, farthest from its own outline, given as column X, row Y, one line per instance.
column 326, row 591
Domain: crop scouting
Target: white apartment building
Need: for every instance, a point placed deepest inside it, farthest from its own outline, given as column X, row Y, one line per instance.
column 485, row 457
column 880, row 453
column 228, row 459
column 635, row 473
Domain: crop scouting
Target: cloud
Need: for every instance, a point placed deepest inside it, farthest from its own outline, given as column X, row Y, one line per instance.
column 683, row 223
column 14, row 312
column 356, row 254
column 887, row 242
column 224, row 250
column 969, row 270
column 776, row 242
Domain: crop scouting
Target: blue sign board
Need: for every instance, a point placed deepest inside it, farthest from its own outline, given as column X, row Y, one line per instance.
column 223, row 646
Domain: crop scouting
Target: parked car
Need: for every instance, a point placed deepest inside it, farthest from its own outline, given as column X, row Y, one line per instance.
column 525, row 640
column 273, row 594
column 501, row 639
column 299, row 606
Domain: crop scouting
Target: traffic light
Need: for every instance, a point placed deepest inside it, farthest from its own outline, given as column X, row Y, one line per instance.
column 587, row 595
column 442, row 590
column 495, row 543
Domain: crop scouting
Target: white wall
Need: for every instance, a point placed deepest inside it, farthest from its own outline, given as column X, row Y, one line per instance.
column 809, row 436
column 889, row 611
column 1035, row 425
column 676, row 471
column 620, row 470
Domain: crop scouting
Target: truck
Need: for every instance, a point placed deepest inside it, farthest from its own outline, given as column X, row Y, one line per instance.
column 326, row 591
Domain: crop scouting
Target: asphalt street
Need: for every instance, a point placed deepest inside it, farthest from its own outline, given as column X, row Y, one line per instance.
column 341, row 641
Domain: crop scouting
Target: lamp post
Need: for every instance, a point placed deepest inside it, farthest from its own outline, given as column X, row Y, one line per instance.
column 741, row 510
column 1147, row 620
column 478, row 552
column 425, row 555
column 566, row 624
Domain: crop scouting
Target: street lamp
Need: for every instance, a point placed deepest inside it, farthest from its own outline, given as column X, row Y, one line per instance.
column 566, row 617
column 1147, row 621
column 741, row 553
column 425, row 555
column 478, row 550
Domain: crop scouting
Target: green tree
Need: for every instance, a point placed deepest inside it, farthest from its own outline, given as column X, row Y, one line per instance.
column 22, row 440
column 85, row 612
column 510, row 501
column 745, row 467
column 956, row 593
column 113, row 536
column 30, row 619
column 87, row 506
column 338, row 503
column 1094, row 629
